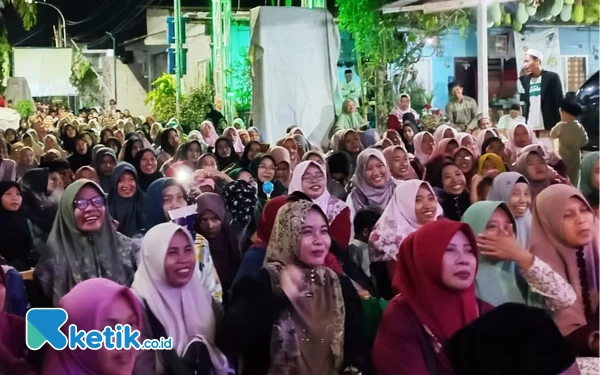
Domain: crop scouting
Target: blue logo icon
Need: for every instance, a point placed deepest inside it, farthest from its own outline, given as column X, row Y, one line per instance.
column 43, row 326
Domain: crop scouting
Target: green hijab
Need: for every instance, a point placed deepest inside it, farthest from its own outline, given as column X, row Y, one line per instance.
column 587, row 164
column 71, row 256
column 497, row 282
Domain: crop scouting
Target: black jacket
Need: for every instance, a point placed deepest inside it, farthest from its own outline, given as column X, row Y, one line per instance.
column 552, row 95
column 246, row 330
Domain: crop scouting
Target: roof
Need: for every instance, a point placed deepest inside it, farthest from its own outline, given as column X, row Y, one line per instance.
column 430, row 6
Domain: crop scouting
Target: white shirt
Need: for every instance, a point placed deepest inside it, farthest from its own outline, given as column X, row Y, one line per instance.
column 535, row 120
column 506, row 122
column 351, row 90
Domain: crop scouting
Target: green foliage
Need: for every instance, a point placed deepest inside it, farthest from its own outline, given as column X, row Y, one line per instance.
column 85, row 80
column 242, row 76
column 193, row 108
column 162, row 97
column 25, row 108
column 5, row 52
column 27, row 12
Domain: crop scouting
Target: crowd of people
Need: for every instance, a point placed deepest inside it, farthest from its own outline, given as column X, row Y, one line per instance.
column 406, row 252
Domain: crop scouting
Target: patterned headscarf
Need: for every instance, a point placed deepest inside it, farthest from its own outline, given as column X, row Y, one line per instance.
column 241, row 199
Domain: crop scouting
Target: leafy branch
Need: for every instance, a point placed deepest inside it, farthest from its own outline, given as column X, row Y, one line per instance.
column 27, row 11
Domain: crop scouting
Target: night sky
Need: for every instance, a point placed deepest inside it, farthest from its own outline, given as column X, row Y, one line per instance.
column 88, row 20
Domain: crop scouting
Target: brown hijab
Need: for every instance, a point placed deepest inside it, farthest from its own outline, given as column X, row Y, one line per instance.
column 548, row 244
column 301, row 335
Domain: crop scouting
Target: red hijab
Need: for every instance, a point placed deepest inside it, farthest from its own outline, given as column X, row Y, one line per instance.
column 419, row 278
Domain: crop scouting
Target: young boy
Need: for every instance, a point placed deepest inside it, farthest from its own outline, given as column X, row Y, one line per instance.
column 571, row 138
column 364, row 221
column 513, row 118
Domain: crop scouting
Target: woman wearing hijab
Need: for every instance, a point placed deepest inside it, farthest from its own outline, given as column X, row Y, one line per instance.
column 15, row 237
column 39, row 202
column 423, row 144
column 173, row 196
column 368, row 138
column 310, row 178
column 564, row 234
column 51, row 143
column 399, row 162
column 131, row 147
column 88, row 173
column 169, row 285
column 250, row 151
column 290, row 144
column 213, row 115
column 126, row 200
column 445, row 147
column 81, row 156
column 225, row 153
column 169, row 142
column 283, row 171
column 507, row 272
column 484, row 135
column 83, row 244
column 393, row 136
column 92, row 305
column 534, row 168
column 234, row 137
column 10, row 135
column 588, row 184
column 13, row 349
column 373, row 183
column 105, row 134
column 467, row 140
column 30, row 139
column 519, row 136
column 214, row 224
column 290, row 322
column 436, row 268
column 450, row 186
column 146, row 165
column 115, row 145
column 207, row 129
column 104, row 163
column 401, row 107
column 254, row 134
column 407, row 134
column 513, row 189
column 465, row 160
column 444, row 131
column 264, row 168
column 26, row 161
column 189, row 152
column 349, row 142
column 349, row 118
column 488, row 162
column 304, row 145
column 67, row 136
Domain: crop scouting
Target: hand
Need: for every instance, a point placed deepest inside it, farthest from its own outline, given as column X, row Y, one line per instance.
column 492, row 173
column 475, row 181
column 504, row 248
column 115, row 224
column 291, row 280
column 364, row 294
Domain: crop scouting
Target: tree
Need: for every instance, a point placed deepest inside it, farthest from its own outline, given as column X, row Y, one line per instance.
column 85, row 80
column 382, row 39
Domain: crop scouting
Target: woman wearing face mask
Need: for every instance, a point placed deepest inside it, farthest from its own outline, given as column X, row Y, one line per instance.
column 15, row 237
column 513, row 189
column 225, row 153
column 564, row 234
column 283, row 171
column 450, row 186
column 436, row 267
column 83, row 244
column 311, row 179
column 92, row 305
column 423, row 144
column 507, row 272
column 104, row 163
column 81, row 156
column 171, row 195
column 264, row 168
column 399, row 163
column 146, row 165
column 302, row 317
column 373, row 184
column 176, row 304
column 125, row 200
column 414, row 205
column 588, row 184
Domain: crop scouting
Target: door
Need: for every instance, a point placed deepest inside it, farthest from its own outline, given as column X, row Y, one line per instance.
column 465, row 72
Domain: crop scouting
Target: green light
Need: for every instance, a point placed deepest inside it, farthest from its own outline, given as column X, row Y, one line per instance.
column 230, row 94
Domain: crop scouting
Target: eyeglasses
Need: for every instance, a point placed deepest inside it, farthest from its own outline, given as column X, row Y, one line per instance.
column 83, row 203
column 463, row 158
column 313, row 178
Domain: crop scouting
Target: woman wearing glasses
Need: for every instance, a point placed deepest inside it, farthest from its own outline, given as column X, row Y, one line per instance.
column 83, row 244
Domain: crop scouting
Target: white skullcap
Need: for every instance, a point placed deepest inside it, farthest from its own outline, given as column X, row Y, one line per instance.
column 535, row 53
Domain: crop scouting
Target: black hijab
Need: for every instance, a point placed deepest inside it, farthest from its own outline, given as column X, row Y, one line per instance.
column 77, row 160
column 454, row 206
column 164, row 141
column 223, row 163
column 128, row 154
column 245, row 162
column 214, row 116
column 145, row 179
column 37, row 204
column 68, row 144
column 15, row 237
column 114, row 141
column 278, row 187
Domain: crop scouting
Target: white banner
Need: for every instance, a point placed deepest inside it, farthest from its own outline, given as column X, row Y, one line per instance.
column 547, row 43
column 47, row 70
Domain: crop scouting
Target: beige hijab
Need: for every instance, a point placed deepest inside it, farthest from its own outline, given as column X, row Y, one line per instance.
column 547, row 243
column 301, row 336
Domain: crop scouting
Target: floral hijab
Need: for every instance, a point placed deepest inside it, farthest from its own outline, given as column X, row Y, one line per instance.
column 306, row 318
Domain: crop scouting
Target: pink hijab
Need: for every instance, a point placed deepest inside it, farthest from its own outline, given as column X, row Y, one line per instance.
column 474, row 149
column 238, row 146
column 212, row 136
column 87, row 304
column 514, row 149
column 331, row 206
column 397, row 221
column 418, row 146
column 481, row 137
column 438, row 134
column 389, row 157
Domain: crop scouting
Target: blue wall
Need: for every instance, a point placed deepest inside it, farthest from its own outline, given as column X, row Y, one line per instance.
column 573, row 41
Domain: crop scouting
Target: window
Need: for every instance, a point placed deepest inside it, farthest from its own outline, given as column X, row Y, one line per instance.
column 575, row 72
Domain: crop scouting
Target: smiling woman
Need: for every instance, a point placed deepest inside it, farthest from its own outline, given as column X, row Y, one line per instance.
column 83, row 244
column 125, row 200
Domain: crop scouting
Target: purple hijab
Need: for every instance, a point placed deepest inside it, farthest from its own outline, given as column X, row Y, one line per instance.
column 87, row 304
column 364, row 194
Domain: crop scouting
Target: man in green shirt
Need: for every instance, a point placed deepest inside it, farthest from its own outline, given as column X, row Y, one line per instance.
column 461, row 110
